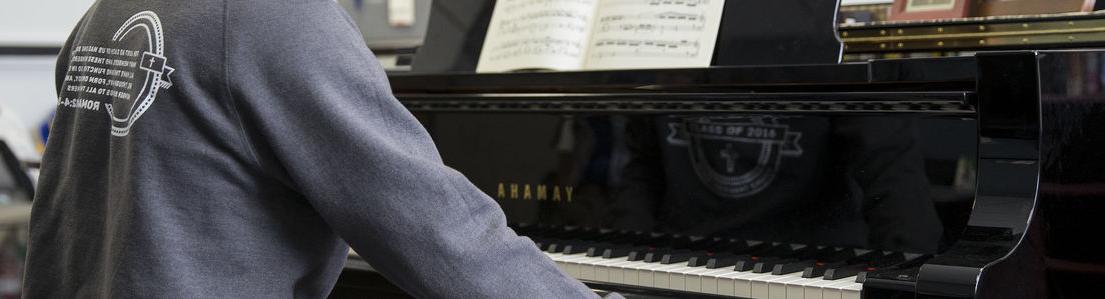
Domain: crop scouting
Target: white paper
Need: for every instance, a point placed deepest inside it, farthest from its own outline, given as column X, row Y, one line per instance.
column 654, row 34
column 537, row 34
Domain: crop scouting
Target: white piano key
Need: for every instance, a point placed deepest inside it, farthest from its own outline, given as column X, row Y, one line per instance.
column 709, row 279
column 661, row 276
column 761, row 285
column 835, row 289
column 852, row 291
column 587, row 267
column 815, row 290
column 629, row 273
column 796, row 289
column 617, row 274
column 678, row 278
column 602, row 269
column 726, row 285
column 570, row 266
column 777, row 289
column 645, row 274
column 745, row 285
column 692, row 279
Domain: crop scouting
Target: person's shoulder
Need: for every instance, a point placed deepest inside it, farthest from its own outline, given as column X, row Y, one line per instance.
column 297, row 21
column 279, row 14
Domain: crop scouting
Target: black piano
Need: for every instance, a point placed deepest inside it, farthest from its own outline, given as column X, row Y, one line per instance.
column 964, row 177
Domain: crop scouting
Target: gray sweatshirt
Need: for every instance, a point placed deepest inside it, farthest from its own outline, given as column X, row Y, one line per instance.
column 231, row 148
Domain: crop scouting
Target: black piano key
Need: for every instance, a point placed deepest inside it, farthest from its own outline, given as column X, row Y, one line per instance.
column 597, row 250
column 612, row 245
column 638, row 254
column 575, row 248
column 791, row 267
column 718, row 262
column 620, row 252
column 654, row 256
column 811, row 258
column 848, row 257
column 697, row 261
column 555, row 246
column 547, row 245
column 765, row 265
column 677, row 257
column 846, row 271
column 774, row 253
column 818, row 269
column 748, row 263
column 872, row 262
column 703, row 259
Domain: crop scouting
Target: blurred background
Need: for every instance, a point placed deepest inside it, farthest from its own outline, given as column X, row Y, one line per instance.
column 30, row 34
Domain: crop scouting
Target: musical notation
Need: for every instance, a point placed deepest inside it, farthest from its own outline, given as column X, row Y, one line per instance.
column 537, row 34
column 597, row 34
column 535, row 47
column 512, row 6
column 551, row 13
column 644, row 48
column 651, row 28
column 515, row 28
column 673, row 16
column 547, row 42
column 685, row 3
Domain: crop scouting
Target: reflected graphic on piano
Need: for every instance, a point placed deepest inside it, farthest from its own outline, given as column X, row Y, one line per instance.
column 849, row 181
column 857, row 182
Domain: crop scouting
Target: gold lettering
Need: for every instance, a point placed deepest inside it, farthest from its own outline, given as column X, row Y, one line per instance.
column 568, row 191
column 502, row 191
column 526, row 194
column 542, row 192
column 556, row 193
column 513, row 191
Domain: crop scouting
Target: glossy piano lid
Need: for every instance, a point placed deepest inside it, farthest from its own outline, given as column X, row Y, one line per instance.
column 886, row 182
column 914, row 74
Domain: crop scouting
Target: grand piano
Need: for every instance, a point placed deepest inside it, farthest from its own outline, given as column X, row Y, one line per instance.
column 964, row 177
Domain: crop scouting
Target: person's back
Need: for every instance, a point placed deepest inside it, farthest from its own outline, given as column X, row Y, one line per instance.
column 218, row 148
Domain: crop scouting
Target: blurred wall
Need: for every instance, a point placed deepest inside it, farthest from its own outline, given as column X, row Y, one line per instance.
column 27, row 81
column 27, row 87
column 39, row 23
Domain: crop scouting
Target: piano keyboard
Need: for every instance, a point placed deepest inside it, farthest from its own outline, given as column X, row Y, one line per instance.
column 723, row 267
column 724, row 282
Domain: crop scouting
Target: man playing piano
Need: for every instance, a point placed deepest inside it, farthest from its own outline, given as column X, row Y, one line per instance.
column 231, row 148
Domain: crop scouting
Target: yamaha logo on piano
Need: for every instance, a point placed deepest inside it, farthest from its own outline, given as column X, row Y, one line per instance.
column 540, row 192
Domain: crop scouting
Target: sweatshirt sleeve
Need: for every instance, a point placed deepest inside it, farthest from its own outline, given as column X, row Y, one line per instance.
column 314, row 98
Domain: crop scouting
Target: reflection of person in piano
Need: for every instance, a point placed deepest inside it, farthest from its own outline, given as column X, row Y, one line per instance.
column 857, row 181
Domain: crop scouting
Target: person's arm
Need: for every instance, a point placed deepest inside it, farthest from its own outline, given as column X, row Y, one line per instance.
column 319, row 113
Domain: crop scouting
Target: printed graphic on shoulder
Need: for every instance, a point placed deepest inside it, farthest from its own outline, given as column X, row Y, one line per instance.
column 124, row 76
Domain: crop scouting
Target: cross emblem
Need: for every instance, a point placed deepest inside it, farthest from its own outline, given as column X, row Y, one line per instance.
column 156, row 65
column 730, row 156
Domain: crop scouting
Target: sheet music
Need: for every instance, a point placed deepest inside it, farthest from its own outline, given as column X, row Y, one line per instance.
column 654, row 33
column 537, row 34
